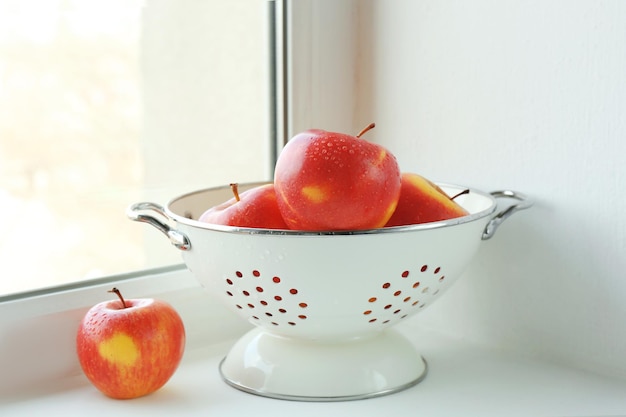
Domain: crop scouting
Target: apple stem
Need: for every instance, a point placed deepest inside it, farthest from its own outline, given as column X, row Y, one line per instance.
column 235, row 187
column 461, row 193
column 119, row 294
column 365, row 129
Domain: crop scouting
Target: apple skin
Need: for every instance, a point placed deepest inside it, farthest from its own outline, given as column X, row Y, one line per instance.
column 256, row 207
column 422, row 201
column 132, row 351
column 327, row 181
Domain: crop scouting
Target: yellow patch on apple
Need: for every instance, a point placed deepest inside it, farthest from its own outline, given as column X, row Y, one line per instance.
column 417, row 180
column 390, row 210
column 381, row 157
column 119, row 349
column 314, row 194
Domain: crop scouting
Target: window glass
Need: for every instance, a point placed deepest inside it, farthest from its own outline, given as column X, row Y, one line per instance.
column 104, row 103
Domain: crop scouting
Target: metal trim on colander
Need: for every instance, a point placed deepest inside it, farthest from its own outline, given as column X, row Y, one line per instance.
column 184, row 218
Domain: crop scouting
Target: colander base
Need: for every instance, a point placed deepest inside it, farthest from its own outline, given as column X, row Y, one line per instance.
column 284, row 368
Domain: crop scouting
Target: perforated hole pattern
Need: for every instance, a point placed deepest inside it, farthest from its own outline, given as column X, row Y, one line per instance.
column 400, row 296
column 264, row 299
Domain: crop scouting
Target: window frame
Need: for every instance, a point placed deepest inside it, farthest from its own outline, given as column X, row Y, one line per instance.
column 275, row 140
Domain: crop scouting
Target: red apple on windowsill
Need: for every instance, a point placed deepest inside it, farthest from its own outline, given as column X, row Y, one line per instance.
column 130, row 348
column 256, row 207
column 422, row 201
column 334, row 181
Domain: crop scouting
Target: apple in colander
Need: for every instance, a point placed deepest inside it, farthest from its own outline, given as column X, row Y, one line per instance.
column 335, row 181
column 255, row 208
column 422, row 201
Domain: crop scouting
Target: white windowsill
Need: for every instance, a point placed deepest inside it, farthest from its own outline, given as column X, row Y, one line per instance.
column 463, row 379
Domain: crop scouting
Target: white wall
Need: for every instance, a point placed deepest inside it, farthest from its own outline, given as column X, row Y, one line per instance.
column 529, row 95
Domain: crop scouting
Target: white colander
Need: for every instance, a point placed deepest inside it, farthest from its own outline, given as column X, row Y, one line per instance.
column 324, row 303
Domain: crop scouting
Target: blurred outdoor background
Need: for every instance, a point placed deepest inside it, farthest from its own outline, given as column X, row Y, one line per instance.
column 75, row 76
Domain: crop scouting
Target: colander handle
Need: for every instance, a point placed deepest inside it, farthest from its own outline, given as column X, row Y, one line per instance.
column 524, row 203
column 178, row 239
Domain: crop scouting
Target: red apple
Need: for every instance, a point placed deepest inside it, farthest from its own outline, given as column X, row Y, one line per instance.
column 130, row 348
column 334, row 181
column 422, row 201
column 255, row 207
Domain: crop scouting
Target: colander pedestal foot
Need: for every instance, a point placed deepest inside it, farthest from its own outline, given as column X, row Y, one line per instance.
column 274, row 366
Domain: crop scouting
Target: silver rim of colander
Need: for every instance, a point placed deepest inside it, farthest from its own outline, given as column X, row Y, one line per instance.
column 397, row 229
